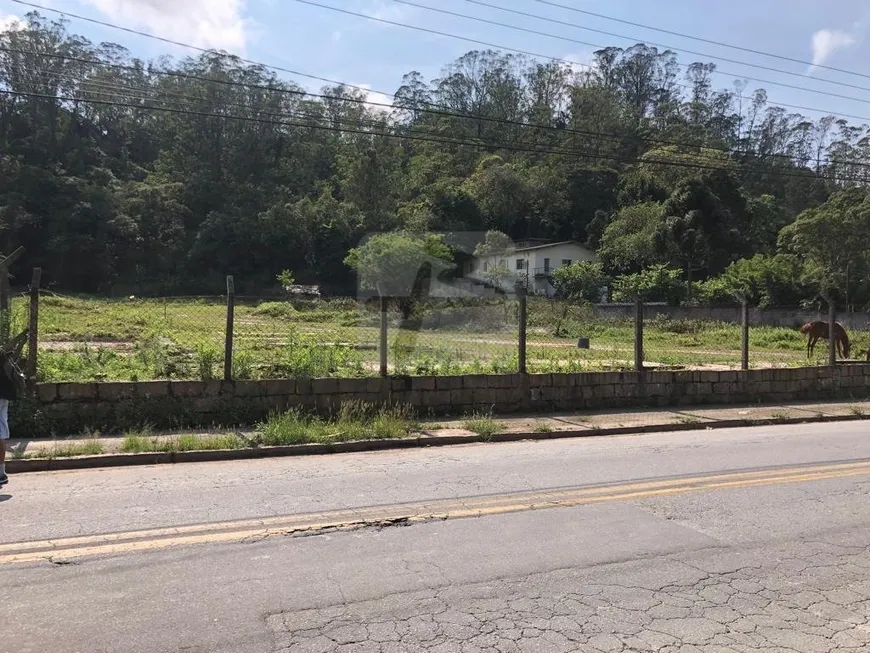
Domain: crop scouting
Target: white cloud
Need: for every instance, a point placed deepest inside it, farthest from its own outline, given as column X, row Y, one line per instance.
column 203, row 23
column 826, row 42
column 10, row 22
column 374, row 96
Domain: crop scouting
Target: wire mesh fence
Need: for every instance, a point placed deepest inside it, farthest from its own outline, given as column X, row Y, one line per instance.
column 130, row 339
column 186, row 338
column 565, row 337
column 278, row 338
column 456, row 336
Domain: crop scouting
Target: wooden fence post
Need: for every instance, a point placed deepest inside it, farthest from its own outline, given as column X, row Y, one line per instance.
column 638, row 335
column 33, row 327
column 382, row 347
column 744, row 341
column 524, row 314
column 228, row 343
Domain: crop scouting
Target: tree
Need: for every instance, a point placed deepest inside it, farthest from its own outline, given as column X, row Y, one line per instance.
column 704, row 225
column 657, row 283
column 832, row 241
column 502, row 194
column 670, row 164
column 400, row 265
column 579, row 283
column 494, row 242
column 767, row 218
column 628, row 242
column 764, row 281
column 228, row 168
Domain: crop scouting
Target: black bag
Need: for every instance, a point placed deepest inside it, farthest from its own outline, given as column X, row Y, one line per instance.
column 15, row 377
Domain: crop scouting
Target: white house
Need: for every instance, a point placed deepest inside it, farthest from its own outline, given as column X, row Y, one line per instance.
column 533, row 260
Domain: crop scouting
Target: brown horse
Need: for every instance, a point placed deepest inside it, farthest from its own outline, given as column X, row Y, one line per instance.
column 818, row 329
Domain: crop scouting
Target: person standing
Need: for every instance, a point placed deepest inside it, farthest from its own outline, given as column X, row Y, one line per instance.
column 11, row 385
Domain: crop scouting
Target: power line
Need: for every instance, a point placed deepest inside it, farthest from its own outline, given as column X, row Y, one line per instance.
column 143, row 95
column 299, row 73
column 698, row 38
column 809, row 175
column 529, row 125
column 556, row 21
column 535, row 54
column 147, row 95
column 365, row 90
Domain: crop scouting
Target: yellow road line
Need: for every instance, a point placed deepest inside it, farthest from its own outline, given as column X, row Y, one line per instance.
column 238, row 531
column 351, row 514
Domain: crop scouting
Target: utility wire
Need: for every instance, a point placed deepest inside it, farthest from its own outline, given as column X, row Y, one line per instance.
column 340, row 83
column 809, row 175
column 300, row 94
column 544, row 56
column 556, row 21
column 696, row 38
column 145, row 95
column 545, row 2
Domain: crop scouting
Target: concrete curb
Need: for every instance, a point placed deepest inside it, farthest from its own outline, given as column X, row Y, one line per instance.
column 139, row 459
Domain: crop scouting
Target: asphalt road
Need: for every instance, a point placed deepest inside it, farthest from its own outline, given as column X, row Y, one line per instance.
column 744, row 540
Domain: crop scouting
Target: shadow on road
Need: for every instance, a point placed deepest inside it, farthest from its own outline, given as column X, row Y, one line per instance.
column 5, row 497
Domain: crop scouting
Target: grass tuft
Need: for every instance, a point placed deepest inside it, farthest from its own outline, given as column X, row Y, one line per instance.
column 483, row 424
column 353, row 421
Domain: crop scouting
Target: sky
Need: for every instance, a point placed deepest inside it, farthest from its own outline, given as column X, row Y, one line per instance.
column 355, row 50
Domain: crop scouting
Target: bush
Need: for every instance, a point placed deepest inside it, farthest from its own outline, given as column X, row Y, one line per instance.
column 658, row 283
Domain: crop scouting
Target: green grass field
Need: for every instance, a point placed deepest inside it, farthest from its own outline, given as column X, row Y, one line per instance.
column 87, row 339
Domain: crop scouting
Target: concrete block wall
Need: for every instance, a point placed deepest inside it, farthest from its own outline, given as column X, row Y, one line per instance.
column 71, row 407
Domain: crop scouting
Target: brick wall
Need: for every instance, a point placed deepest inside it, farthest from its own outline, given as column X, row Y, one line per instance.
column 72, row 407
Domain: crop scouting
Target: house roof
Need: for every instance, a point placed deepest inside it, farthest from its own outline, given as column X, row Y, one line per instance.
column 563, row 242
column 535, row 247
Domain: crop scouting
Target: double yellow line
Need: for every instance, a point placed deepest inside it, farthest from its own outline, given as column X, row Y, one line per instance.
column 379, row 516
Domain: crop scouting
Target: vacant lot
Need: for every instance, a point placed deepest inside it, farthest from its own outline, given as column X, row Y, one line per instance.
column 86, row 339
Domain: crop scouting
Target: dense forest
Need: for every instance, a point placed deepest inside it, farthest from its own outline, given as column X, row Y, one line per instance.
column 119, row 175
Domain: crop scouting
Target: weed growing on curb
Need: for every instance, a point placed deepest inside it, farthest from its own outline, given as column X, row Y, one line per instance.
column 353, row 421
column 483, row 424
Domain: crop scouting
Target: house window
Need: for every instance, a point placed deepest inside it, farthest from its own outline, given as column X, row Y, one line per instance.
column 485, row 266
column 520, row 264
column 566, row 261
column 546, row 265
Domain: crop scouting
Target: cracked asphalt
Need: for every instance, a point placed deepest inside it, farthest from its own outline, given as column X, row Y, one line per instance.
column 815, row 597
column 774, row 568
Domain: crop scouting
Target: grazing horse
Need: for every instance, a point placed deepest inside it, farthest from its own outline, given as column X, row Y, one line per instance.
column 818, row 329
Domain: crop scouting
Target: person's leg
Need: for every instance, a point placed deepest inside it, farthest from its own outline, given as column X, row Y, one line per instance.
column 4, row 436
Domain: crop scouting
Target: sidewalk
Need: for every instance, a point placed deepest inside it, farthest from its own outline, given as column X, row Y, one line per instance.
column 566, row 423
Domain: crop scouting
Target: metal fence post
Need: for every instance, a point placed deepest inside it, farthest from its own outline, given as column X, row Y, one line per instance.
column 638, row 335
column 228, row 342
column 524, row 314
column 382, row 347
column 33, row 327
column 744, row 341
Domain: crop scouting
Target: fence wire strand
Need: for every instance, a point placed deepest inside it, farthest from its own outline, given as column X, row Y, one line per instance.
column 280, row 337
